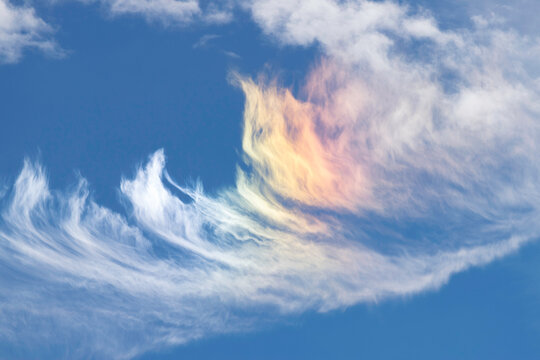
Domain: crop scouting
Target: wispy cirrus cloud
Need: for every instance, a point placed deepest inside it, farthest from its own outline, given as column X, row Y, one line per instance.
column 400, row 124
column 225, row 264
column 204, row 40
column 171, row 12
column 21, row 29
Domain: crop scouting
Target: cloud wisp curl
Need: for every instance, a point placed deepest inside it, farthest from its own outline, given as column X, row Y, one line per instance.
column 331, row 182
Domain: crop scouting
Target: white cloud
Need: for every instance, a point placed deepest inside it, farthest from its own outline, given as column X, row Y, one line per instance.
column 402, row 122
column 204, row 40
column 436, row 101
column 171, row 12
column 223, row 266
column 21, row 29
column 351, row 30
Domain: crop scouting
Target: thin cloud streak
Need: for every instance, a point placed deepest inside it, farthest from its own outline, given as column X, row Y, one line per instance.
column 171, row 12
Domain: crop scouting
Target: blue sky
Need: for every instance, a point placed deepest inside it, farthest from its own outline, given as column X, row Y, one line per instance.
column 147, row 214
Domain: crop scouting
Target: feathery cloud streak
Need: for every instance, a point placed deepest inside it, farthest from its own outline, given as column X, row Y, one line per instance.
column 330, row 181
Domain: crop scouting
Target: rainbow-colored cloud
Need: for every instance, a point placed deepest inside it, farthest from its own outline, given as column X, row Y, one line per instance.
column 328, row 183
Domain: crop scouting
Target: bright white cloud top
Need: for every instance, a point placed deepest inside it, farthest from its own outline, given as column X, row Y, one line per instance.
column 378, row 140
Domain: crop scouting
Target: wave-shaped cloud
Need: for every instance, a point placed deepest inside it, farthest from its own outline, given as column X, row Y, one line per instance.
column 182, row 270
column 379, row 141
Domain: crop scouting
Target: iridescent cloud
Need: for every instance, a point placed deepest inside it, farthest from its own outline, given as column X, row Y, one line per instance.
column 330, row 182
